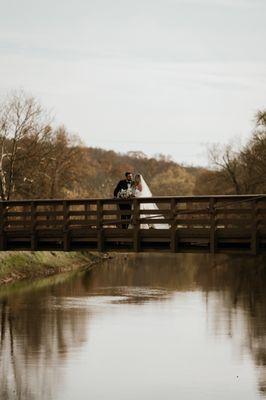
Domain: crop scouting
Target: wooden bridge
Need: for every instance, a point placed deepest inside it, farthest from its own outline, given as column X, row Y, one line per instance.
column 194, row 224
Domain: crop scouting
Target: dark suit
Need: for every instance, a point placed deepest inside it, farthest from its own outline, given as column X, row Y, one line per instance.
column 123, row 184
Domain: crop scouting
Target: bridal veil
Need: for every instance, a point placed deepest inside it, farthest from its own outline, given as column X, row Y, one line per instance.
column 146, row 192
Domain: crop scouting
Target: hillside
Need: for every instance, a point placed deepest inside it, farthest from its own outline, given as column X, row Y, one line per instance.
column 104, row 168
column 39, row 160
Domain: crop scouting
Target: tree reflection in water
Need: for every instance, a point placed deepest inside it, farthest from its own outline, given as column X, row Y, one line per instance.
column 36, row 333
column 39, row 327
column 238, row 283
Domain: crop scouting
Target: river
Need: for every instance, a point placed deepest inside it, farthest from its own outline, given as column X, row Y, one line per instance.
column 138, row 327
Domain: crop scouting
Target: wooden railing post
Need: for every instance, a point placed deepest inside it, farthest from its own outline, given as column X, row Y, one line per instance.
column 66, row 233
column 86, row 209
column 25, row 210
column 254, row 235
column 33, row 240
column 173, row 228
column 2, row 226
column 213, row 237
column 100, row 237
column 136, row 226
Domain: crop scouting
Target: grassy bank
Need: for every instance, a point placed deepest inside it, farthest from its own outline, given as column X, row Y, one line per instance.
column 19, row 265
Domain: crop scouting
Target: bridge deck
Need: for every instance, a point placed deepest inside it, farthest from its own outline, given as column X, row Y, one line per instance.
column 180, row 224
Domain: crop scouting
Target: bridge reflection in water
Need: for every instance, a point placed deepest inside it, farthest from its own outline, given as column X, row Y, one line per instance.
column 197, row 319
column 191, row 224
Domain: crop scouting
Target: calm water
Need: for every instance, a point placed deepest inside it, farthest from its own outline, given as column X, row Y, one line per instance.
column 146, row 327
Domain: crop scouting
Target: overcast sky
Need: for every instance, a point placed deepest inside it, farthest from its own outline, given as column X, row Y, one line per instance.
column 163, row 76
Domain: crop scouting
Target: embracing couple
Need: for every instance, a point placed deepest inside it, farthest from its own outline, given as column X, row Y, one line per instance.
column 137, row 187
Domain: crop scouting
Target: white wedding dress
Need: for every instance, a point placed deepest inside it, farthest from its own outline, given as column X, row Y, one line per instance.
column 145, row 192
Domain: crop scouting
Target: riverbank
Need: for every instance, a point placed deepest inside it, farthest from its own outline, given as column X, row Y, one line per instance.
column 19, row 265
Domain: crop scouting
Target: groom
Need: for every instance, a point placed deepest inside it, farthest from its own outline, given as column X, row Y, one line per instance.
column 124, row 184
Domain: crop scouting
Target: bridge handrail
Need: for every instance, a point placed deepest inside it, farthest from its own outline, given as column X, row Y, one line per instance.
column 103, row 220
column 142, row 199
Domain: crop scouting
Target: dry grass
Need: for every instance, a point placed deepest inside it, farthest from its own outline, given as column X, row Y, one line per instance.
column 18, row 265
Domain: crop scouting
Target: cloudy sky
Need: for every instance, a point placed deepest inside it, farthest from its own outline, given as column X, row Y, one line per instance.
column 161, row 76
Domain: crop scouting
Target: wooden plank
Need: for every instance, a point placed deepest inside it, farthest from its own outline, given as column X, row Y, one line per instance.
column 84, row 222
column 156, row 233
column 18, row 214
column 114, row 222
column 66, row 232
column 173, row 230
column 83, row 213
column 83, row 227
column 233, row 233
column 200, row 232
column 47, row 222
column 155, row 212
column 33, row 240
column 199, row 198
column 261, row 219
column 100, row 237
column 136, row 226
column 151, row 221
column 236, row 241
column 86, row 210
column 180, row 213
column 234, row 221
column 238, row 211
column 112, row 201
column 117, row 231
column 118, row 212
column 49, row 214
column 262, row 212
column 156, row 240
column 2, row 226
column 116, row 240
column 10, row 223
column 193, row 221
column 10, row 231
column 254, row 238
column 50, row 233
column 160, row 200
column 89, row 233
column 213, row 237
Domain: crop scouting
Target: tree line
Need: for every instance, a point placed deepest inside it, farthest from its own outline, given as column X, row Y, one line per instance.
column 237, row 171
column 38, row 160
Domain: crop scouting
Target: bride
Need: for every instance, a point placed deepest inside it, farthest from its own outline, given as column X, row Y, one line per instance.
column 143, row 190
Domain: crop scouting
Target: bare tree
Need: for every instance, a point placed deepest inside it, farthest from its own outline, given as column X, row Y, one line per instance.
column 21, row 117
column 261, row 118
column 253, row 156
column 225, row 159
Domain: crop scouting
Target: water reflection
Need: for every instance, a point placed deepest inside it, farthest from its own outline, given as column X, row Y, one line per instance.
column 35, row 338
column 46, row 333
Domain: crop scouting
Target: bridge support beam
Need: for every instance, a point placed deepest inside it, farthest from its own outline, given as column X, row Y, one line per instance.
column 213, row 235
column 173, row 230
column 2, row 227
column 254, row 236
column 33, row 239
column 100, row 236
column 136, row 225
column 66, row 233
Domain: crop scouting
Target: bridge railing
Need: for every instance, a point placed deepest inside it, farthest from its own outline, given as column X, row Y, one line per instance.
column 176, row 222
